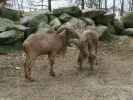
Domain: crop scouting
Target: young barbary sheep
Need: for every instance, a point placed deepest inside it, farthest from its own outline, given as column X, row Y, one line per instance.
column 87, row 45
column 49, row 44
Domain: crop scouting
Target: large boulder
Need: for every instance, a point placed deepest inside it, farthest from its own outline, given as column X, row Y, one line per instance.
column 101, row 29
column 35, row 21
column 43, row 27
column 105, row 33
column 64, row 17
column 50, row 16
column 73, row 11
column 6, row 24
column 108, row 18
column 3, row 28
column 119, row 27
column 88, row 21
column 7, row 37
column 55, row 23
column 76, row 23
column 25, row 20
column 128, row 31
column 128, row 20
column 21, row 27
column 122, row 40
column 92, row 13
column 10, row 14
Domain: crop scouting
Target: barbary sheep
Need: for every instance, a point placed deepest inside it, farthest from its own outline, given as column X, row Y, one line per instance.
column 87, row 45
column 49, row 44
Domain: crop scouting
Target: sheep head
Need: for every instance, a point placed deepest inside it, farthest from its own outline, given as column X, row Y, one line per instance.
column 70, row 34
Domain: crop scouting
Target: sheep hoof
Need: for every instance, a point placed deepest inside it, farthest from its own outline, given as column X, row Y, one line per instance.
column 52, row 74
column 80, row 68
column 92, row 69
column 30, row 79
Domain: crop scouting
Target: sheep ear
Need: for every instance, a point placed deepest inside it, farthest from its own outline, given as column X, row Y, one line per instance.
column 63, row 33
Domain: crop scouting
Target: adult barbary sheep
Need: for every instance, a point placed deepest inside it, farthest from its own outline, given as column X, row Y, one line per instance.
column 49, row 44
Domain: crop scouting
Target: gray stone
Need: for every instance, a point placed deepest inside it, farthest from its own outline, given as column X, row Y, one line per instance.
column 92, row 12
column 64, row 17
column 128, row 31
column 89, row 21
column 8, row 37
column 43, row 27
column 74, row 11
column 55, row 23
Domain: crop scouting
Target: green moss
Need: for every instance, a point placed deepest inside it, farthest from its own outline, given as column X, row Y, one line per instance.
column 33, row 24
column 107, row 33
column 119, row 27
column 10, row 14
column 74, row 11
column 128, row 20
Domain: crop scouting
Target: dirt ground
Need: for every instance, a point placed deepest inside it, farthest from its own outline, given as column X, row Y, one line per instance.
column 112, row 78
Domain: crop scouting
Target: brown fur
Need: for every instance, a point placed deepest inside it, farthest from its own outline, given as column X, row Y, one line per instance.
column 43, row 44
column 88, row 47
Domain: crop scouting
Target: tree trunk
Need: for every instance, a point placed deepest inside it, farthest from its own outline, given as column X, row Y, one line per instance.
column 99, row 6
column 132, row 6
column 82, row 4
column 114, row 7
column 49, row 5
column 122, row 8
column 106, row 5
column 42, row 4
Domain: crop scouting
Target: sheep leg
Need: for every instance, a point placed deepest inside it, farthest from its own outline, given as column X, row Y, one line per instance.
column 91, row 59
column 52, row 61
column 27, row 67
column 80, row 60
column 96, row 47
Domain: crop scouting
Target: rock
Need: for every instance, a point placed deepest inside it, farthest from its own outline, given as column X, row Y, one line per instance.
column 2, row 29
column 21, row 27
column 119, row 26
column 105, row 33
column 108, row 18
column 25, row 20
column 123, row 40
column 89, row 21
column 10, row 14
column 101, row 29
column 92, row 12
column 6, row 24
column 73, row 11
column 76, row 23
column 64, row 17
column 50, row 16
column 43, row 27
column 7, row 37
column 128, row 20
column 128, row 32
column 35, row 21
column 55, row 23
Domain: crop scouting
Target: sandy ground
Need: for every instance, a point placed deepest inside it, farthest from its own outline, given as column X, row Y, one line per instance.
column 111, row 80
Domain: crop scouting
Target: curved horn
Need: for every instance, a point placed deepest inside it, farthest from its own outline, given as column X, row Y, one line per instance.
column 62, row 33
column 70, row 31
column 75, row 42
